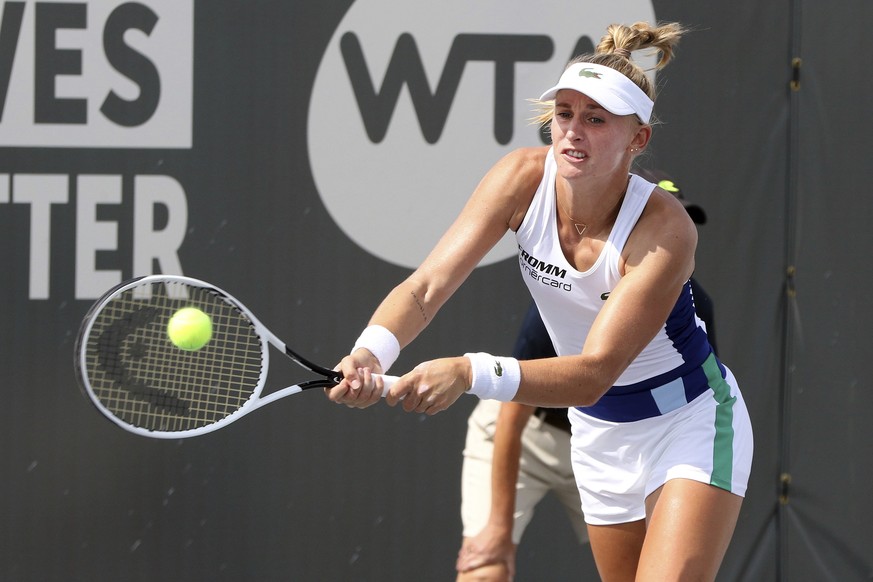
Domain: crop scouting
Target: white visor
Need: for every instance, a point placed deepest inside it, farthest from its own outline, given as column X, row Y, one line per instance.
column 612, row 90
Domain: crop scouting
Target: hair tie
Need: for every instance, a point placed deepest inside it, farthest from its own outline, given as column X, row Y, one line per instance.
column 623, row 52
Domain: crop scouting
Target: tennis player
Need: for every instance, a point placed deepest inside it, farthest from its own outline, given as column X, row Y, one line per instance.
column 516, row 454
column 661, row 440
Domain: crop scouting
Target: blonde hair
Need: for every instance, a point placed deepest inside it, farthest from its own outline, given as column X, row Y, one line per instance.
column 614, row 51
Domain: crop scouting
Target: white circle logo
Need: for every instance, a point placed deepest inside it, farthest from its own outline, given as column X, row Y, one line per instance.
column 414, row 101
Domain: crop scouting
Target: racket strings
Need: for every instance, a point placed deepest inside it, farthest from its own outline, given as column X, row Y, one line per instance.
column 137, row 373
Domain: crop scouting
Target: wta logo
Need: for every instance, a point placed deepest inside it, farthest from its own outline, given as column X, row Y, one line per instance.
column 414, row 101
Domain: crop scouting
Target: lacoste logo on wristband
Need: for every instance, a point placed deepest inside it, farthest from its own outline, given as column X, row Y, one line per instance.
column 494, row 377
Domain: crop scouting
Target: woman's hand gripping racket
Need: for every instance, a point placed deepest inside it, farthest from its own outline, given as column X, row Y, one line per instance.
column 139, row 379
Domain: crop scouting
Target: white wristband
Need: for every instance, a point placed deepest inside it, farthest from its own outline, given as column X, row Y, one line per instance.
column 494, row 377
column 381, row 343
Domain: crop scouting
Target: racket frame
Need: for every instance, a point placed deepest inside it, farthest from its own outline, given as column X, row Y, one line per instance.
column 255, row 400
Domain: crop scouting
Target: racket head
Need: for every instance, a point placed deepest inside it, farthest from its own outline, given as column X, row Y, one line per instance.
column 137, row 378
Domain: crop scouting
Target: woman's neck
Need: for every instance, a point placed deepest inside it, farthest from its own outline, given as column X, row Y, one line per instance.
column 590, row 208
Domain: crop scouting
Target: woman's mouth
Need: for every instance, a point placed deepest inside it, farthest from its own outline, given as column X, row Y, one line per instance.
column 575, row 154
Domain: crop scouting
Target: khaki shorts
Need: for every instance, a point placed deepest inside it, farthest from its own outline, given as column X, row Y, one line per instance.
column 545, row 466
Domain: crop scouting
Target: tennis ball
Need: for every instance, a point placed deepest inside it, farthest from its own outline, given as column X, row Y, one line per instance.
column 189, row 329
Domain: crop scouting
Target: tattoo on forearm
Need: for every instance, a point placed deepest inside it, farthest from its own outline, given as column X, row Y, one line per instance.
column 419, row 304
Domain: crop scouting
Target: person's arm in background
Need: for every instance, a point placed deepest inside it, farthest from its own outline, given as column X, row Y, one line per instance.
column 494, row 545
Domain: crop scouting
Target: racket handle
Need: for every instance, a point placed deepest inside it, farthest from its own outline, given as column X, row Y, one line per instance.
column 387, row 383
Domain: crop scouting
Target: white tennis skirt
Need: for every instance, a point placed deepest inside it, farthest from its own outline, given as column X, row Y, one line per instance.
column 618, row 464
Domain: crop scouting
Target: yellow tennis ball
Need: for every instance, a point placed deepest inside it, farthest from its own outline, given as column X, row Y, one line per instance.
column 189, row 329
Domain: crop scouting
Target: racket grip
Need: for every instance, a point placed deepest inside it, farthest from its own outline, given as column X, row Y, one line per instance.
column 387, row 383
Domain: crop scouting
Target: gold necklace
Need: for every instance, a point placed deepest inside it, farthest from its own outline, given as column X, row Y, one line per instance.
column 581, row 227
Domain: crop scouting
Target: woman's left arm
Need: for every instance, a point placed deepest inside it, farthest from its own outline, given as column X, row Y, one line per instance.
column 657, row 261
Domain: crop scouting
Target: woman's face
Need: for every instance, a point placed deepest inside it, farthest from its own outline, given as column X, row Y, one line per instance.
column 589, row 140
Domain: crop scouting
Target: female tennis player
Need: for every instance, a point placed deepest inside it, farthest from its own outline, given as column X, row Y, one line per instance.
column 661, row 438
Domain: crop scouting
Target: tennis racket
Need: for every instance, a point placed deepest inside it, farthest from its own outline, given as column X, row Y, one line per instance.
column 131, row 371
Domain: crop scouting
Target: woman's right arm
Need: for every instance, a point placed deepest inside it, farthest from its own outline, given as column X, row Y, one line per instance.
column 498, row 204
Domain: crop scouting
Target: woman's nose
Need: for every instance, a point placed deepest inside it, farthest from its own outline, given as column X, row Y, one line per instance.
column 574, row 131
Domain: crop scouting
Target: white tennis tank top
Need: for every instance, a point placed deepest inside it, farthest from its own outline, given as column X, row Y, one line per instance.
column 569, row 300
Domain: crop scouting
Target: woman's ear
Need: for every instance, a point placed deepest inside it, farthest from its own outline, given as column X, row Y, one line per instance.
column 641, row 138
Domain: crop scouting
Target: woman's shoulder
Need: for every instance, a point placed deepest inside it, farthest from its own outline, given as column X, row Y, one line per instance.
column 521, row 171
column 665, row 225
column 524, row 166
column 663, row 207
column 527, row 158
